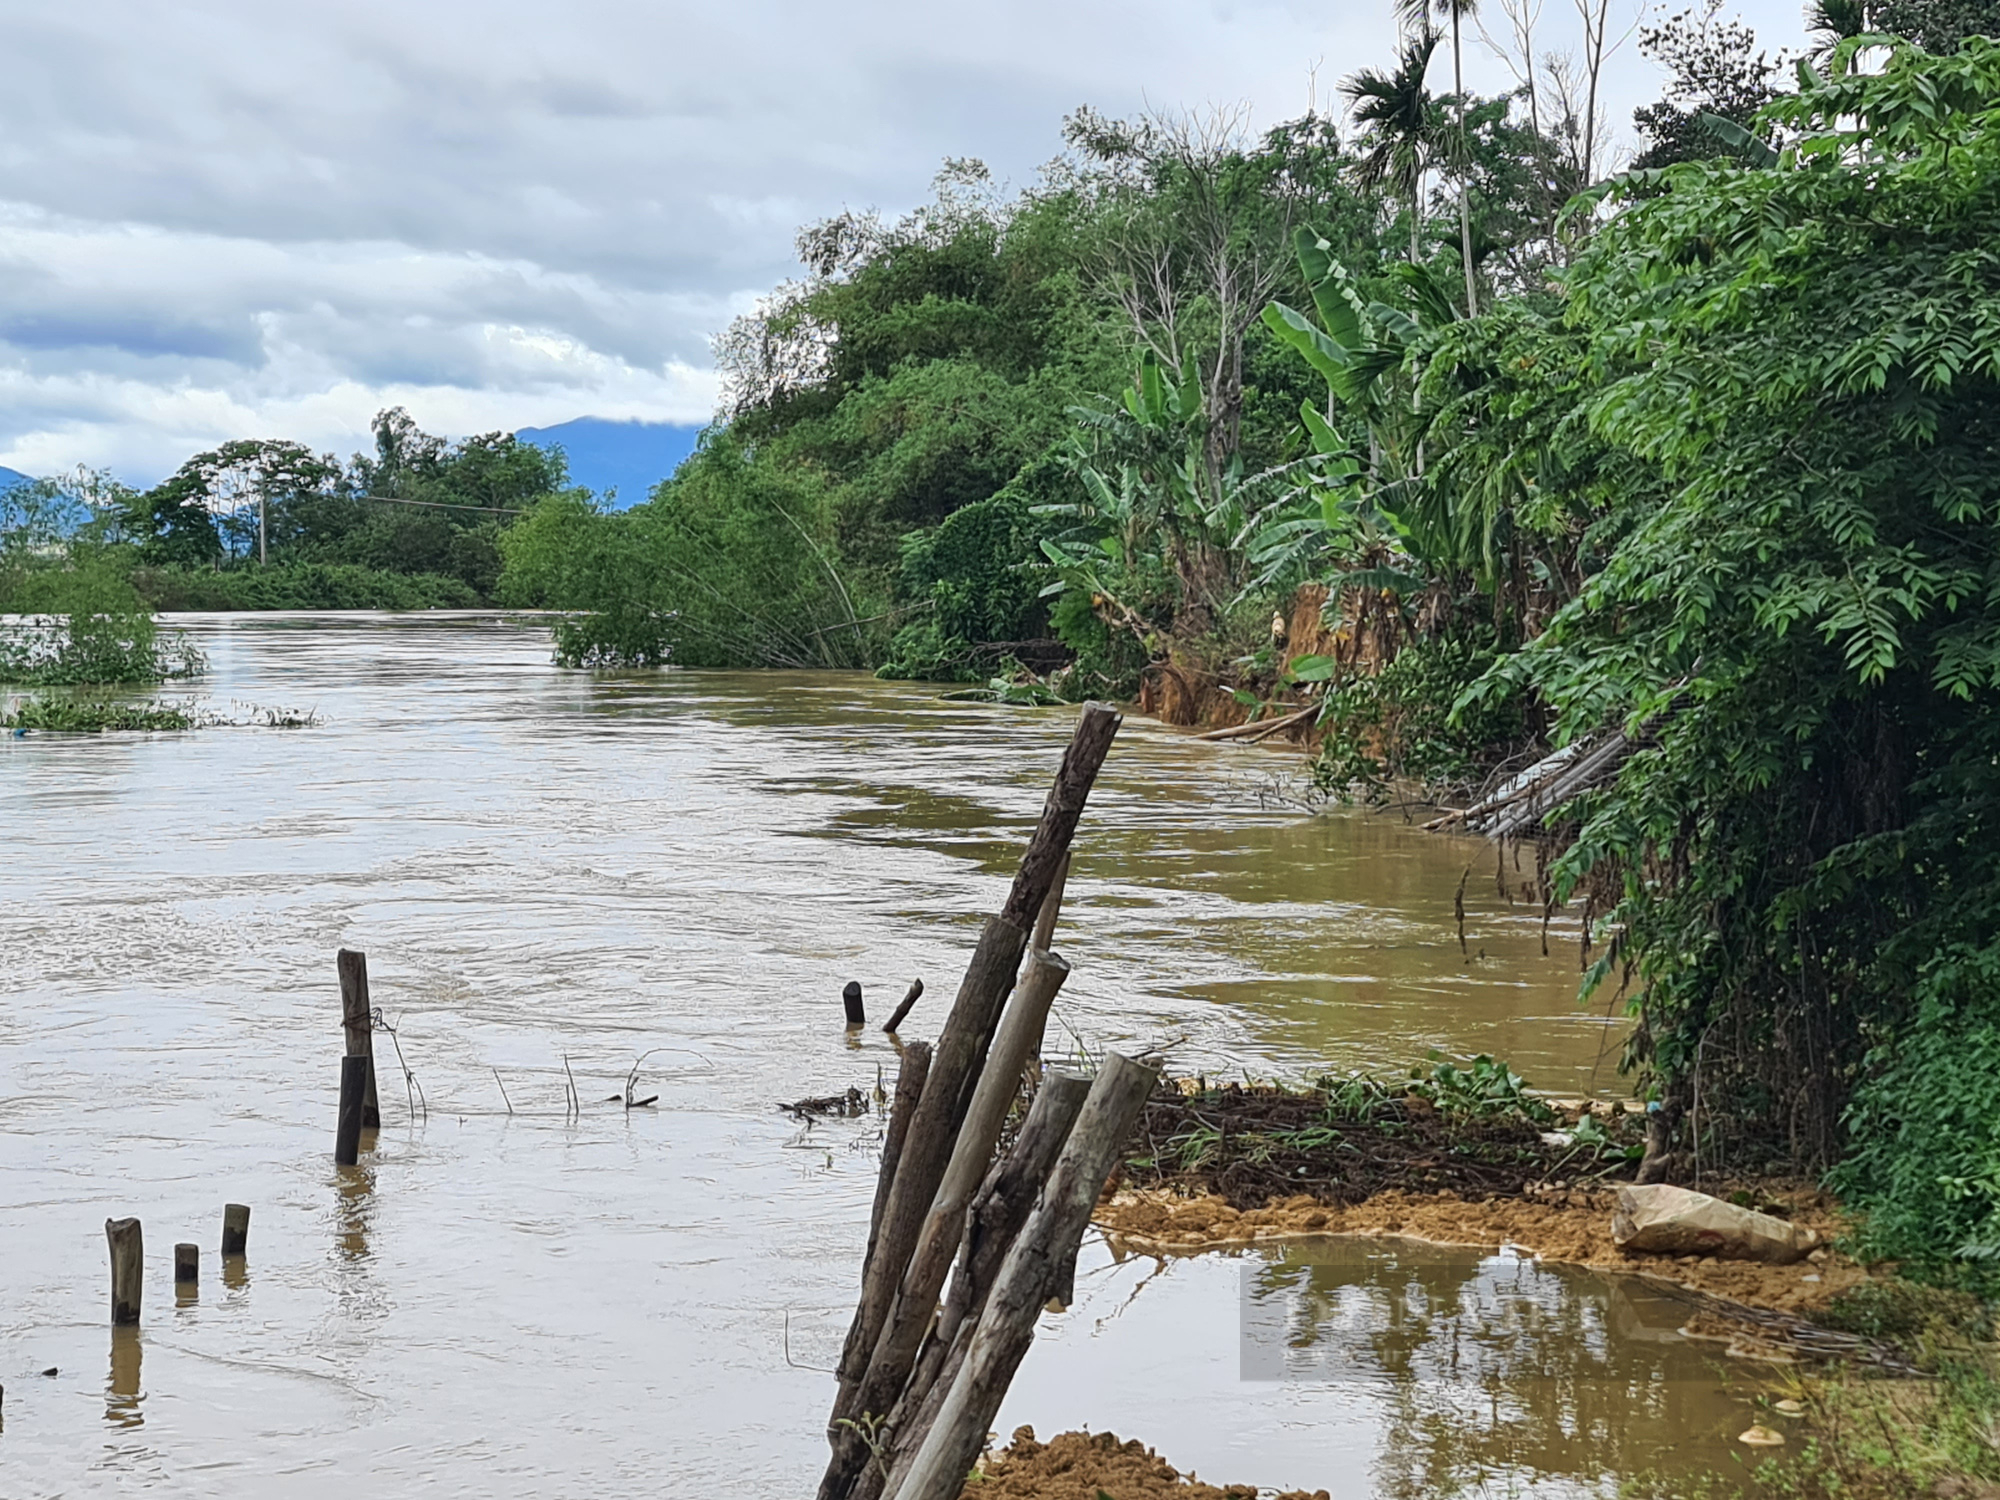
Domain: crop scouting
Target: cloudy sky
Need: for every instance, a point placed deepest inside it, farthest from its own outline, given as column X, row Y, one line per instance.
column 246, row 219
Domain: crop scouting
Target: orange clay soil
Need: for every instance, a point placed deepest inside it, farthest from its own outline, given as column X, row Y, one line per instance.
column 1572, row 1227
column 1080, row 1465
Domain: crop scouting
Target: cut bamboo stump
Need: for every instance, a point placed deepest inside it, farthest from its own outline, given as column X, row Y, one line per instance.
column 357, row 1019
column 851, row 998
column 907, row 1268
column 128, row 1268
column 235, row 1228
column 910, row 998
column 353, row 1096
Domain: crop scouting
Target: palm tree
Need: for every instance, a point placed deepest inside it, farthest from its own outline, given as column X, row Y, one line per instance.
column 1416, row 14
column 1399, row 125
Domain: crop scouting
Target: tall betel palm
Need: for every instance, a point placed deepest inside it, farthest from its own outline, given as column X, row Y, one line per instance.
column 1400, row 127
column 1415, row 15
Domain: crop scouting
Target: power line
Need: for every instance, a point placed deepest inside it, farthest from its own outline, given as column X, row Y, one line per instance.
column 492, row 510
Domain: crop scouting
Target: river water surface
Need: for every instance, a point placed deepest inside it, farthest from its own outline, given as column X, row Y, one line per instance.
column 544, row 864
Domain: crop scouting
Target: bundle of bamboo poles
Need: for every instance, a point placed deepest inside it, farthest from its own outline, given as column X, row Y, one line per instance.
column 923, row 1371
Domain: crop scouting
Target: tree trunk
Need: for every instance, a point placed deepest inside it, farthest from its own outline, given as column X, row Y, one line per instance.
column 1465, row 166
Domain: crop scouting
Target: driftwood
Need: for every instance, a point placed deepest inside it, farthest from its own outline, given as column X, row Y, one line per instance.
column 894, row 1310
column 1258, row 729
column 934, row 1462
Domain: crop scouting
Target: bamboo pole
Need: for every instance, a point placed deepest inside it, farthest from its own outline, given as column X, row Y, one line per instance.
column 916, row 1067
column 1003, row 1204
column 1045, row 919
column 128, row 1268
column 357, row 1019
column 955, row 1064
column 916, row 1301
column 932, row 1463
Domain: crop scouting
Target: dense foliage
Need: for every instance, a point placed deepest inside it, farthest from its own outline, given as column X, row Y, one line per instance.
column 268, row 524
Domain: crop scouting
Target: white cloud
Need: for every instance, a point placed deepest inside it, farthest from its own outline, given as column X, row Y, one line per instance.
column 230, row 218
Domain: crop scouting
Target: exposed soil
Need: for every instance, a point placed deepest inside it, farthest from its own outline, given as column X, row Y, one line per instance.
column 1230, row 1166
column 1572, row 1226
column 1253, row 1146
column 1081, row 1465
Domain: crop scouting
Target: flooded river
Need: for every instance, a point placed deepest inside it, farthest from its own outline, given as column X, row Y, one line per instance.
column 544, row 864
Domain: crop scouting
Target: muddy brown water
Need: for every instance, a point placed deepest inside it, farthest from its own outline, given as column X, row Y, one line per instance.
column 543, row 864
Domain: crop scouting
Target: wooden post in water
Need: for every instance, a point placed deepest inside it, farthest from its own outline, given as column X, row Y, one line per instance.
column 851, row 998
column 187, row 1267
column 128, row 1268
column 353, row 1094
column 910, row 998
column 235, row 1228
column 357, row 1019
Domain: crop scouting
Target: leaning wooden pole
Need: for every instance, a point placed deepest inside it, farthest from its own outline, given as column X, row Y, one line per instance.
column 932, row 1464
column 910, row 1076
column 357, row 1020
column 870, row 1385
column 1009, row 1194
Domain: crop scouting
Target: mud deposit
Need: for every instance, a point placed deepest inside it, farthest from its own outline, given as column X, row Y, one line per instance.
column 1084, row 1466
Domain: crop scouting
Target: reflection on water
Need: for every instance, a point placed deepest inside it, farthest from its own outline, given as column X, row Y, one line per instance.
column 354, row 1188
column 1386, row 1367
column 122, row 1396
column 687, row 866
column 1489, row 1364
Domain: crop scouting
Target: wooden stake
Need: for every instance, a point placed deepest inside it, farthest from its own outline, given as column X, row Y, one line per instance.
column 851, row 998
column 933, row 1463
column 235, row 1228
column 916, row 1067
column 353, row 1093
column 1045, row 920
column 187, row 1266
column 128, row 1268
column 901, row 1341
column 910, row 998
column 357, row 1018
column 1005, row 1200
column 955, row 1064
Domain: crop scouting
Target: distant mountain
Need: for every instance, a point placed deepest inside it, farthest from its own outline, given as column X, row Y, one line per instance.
column 631, row 457
column 11, row 477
